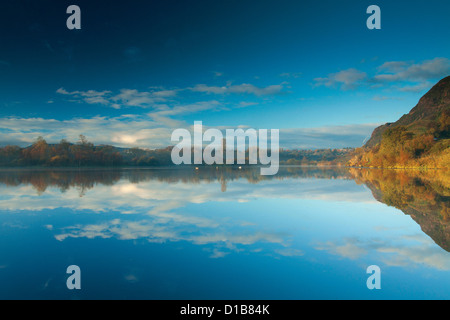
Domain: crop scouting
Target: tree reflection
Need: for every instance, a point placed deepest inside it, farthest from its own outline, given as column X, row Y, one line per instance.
column 86, row 179
column 423, row 195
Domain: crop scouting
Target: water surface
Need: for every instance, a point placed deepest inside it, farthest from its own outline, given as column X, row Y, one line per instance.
column 307, row 233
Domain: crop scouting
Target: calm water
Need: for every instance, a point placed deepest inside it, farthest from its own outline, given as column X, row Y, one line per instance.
column 223, row 234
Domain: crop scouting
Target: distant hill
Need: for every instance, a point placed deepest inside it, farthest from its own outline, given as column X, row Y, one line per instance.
column 418, row 139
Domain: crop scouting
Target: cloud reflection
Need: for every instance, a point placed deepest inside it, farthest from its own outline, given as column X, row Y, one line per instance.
column 161, row 206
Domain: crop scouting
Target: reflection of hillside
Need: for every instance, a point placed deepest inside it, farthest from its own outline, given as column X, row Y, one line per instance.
column 87, row 179
column 423, row 195
column 63, row 179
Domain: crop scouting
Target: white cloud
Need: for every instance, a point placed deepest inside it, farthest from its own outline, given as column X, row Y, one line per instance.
column 142, row 99
column 158, row 97
column 126, row 97
column 90, row 96
column 417, row 87
column 393, row 66
column 346, row 79
column 404, row 76
column 190, row 108
column 384, row 98
column 424, row 71
column 239, row 89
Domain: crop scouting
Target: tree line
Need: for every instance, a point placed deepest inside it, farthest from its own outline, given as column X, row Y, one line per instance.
column 84, row 153
column 80, row 154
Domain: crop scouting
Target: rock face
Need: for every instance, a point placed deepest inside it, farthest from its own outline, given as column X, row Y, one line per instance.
column 423, row 115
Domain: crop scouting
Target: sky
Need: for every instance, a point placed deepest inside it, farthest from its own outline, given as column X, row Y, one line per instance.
column 137, row 70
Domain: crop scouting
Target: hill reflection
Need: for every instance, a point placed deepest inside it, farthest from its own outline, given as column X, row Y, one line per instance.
column 423, row 195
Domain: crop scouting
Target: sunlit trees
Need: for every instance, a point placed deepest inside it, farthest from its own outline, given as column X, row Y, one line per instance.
column 444, row 125
column 401, row 148
column 37, row 154
column 63, row 154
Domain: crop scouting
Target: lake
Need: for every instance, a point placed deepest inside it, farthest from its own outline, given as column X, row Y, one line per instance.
column 224, row 233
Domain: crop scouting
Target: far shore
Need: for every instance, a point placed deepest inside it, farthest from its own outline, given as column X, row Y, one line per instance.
column 181, row 167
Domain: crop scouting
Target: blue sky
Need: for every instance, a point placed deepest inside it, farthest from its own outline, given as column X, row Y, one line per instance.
column 139, row 69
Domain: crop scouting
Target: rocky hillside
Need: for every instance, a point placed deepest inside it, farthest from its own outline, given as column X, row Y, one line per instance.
column 418, row 139
column 424, row 116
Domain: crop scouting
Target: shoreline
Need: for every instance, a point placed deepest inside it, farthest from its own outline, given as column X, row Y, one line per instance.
column 103, row 168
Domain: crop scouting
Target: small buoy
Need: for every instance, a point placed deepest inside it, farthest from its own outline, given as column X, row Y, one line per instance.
column 196, row 168
column 240, row 168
